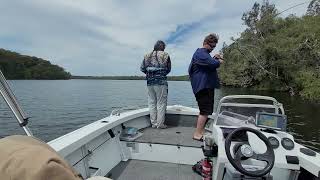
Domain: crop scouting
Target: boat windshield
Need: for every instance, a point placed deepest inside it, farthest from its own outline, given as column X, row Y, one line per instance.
column 242, row 111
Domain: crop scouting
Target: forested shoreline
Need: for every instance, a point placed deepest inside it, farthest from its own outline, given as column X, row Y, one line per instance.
column 16, row 66
column 274, row 53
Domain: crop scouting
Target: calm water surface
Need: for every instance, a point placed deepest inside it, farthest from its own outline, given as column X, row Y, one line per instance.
column 57, row 107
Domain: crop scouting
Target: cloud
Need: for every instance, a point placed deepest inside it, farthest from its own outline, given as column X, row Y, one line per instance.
column 100, row 37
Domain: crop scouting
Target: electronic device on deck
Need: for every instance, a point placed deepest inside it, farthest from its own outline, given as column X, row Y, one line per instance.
column 271, row 121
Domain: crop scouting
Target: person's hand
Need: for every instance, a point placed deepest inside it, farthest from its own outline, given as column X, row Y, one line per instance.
column 219, row 57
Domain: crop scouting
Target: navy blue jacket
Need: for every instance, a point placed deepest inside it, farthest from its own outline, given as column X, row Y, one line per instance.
column 202, row 71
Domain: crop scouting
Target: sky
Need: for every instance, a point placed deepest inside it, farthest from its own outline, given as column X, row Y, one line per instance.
column 110, row 37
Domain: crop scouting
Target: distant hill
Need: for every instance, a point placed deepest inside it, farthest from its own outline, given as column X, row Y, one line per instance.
column 16, row 66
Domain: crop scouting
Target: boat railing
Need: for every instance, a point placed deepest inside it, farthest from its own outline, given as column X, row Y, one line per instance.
column 118, row 110
column 13, row 104
column 230, row 101
column 115, row 112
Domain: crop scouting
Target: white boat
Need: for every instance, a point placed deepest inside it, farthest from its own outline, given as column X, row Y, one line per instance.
column 245, row 139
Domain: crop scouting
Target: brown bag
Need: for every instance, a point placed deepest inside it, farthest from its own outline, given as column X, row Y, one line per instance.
column 25, row 158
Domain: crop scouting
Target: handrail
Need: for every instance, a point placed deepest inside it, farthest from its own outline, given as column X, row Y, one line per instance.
column 248, row 97
column 118, row 111
column 12, row 102
column 275, row 103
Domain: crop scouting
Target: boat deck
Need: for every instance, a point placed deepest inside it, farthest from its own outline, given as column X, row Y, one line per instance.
column 151, row 170
column 181, row 136
column 179, row 133
column 147, row 170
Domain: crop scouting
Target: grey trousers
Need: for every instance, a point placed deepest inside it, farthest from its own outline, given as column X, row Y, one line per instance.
column 157, row 101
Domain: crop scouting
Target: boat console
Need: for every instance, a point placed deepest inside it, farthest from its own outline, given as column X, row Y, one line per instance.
column 252, row 145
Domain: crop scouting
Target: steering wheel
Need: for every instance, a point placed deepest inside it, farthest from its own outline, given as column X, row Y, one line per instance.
column 245, row 151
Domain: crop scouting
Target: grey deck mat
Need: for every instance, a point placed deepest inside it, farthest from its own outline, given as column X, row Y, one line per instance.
column 147, row 170
column 172, row 136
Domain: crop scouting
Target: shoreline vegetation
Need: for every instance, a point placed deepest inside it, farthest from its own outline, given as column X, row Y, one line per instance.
column 16, row 66
column 276, row 53
column 273, row 53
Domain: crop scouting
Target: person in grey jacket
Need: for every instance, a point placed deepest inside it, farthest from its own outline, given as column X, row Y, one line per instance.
column 156, row 65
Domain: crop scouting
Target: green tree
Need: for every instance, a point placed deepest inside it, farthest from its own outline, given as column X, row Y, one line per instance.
column 275, row 53
column 16, row 66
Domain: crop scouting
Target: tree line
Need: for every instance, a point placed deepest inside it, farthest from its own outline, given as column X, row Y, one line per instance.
column 274, row 53
column 16, row 66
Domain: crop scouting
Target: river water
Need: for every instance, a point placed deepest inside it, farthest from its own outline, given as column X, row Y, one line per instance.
column 56, row 107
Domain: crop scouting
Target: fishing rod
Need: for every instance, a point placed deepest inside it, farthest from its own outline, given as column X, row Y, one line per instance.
column 292, row 7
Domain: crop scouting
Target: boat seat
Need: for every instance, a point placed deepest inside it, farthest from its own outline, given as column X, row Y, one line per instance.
column 25, row 157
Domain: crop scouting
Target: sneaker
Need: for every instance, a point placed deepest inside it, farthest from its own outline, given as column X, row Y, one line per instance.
column 154, row 126
column 163, row 126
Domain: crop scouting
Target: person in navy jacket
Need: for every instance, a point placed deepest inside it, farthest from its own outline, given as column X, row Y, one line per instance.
column 204, row 79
